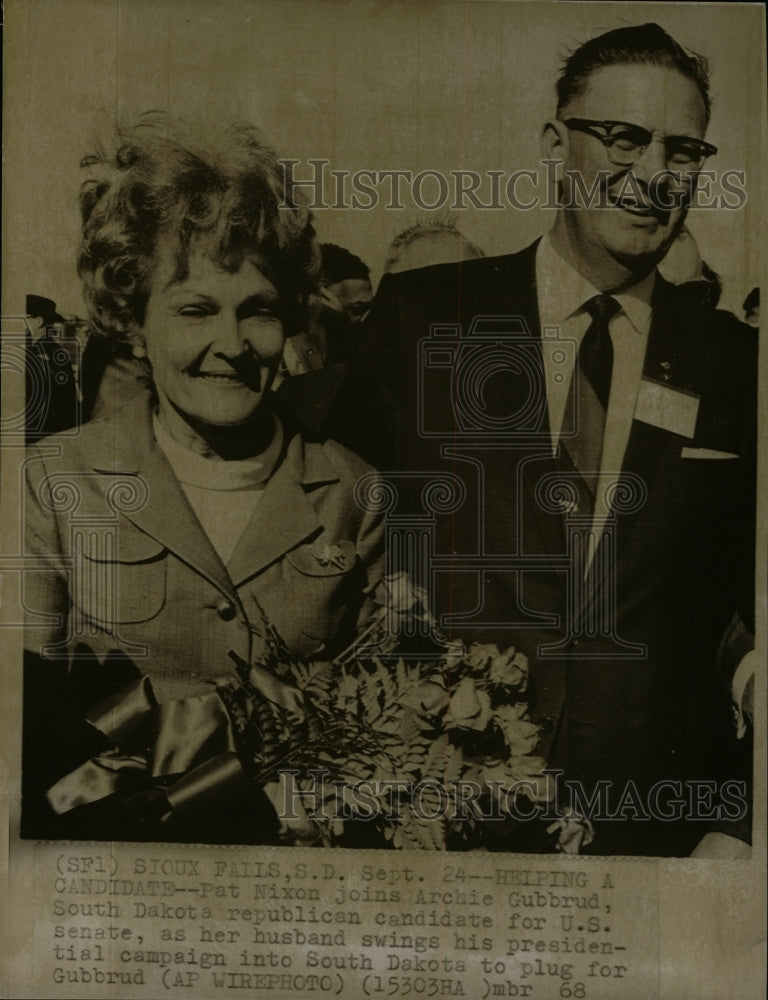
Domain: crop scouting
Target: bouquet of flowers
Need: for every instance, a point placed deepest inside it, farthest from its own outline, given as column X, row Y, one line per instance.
column 420, row 741
column 427, row 749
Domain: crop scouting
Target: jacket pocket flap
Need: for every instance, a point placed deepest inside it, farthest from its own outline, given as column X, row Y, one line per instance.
column 122, row 543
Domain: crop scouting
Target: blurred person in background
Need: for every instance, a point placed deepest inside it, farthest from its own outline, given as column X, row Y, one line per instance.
column 434, row 241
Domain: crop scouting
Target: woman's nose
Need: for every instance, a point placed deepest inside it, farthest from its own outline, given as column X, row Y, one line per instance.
column 228, row 336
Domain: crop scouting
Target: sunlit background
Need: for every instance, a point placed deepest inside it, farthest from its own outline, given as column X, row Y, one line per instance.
column 401, row 86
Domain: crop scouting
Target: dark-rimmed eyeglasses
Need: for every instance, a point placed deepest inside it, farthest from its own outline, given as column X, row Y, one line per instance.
column 625, row 143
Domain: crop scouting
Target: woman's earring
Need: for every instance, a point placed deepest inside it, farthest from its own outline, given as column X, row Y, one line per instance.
column 139, row 351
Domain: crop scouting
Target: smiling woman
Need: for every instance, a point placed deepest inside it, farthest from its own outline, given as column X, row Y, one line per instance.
column 179, row 536
column 214, row 341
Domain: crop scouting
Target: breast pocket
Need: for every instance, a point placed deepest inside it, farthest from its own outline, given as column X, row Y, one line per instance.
column 323, row 561
column 709, row 480
column 320, row 594
column 119, row 576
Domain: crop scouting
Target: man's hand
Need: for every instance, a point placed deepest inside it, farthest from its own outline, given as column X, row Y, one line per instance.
column 748, row 702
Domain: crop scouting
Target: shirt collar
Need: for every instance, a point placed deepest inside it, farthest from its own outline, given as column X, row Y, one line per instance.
column 192, row 469
column 562, row 291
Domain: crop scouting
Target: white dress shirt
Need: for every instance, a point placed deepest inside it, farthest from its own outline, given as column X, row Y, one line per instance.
column 562, row 292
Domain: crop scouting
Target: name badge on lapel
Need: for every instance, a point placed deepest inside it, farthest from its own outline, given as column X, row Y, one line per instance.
column 672, row 410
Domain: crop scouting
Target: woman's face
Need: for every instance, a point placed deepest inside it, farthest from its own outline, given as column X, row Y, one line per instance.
column 214, row 340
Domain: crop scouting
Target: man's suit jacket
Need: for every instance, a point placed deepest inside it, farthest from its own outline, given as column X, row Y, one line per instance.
column 641, row 702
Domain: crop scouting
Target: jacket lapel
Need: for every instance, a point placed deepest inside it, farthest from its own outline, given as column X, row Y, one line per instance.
column 286, row 514
column 542, row 531
column 165, row 514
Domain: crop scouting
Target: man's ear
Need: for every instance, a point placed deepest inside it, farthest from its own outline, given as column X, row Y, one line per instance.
column 554, row 145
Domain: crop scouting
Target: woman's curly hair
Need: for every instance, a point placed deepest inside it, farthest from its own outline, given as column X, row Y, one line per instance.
column 157, row 183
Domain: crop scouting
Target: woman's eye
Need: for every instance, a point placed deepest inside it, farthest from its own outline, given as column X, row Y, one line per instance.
column 194, row 312
column 265, row 315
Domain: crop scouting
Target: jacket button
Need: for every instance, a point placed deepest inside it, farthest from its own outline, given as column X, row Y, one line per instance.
column 226, row 610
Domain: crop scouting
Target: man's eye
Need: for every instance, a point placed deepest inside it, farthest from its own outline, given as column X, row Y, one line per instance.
column 628, row 141
column 683, row 154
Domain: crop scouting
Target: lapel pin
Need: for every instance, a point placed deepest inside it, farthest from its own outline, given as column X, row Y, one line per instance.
column 328, row 555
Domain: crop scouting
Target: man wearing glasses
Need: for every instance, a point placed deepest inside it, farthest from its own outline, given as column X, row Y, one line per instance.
column 603, row 428
column 633, row 133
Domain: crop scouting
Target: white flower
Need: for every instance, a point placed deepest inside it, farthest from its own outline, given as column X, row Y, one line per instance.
column 468, row 707
column 520, row 734
column 480, row 654
column 427, row 698
column 398, row 593
column 509, row 668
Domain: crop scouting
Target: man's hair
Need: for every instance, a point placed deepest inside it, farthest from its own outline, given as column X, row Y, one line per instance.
column 642, row 44
column 424, row 230
column 153, row 182
column 338, row 264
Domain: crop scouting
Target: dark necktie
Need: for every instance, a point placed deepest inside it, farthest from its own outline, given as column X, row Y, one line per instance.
column 590, row 388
